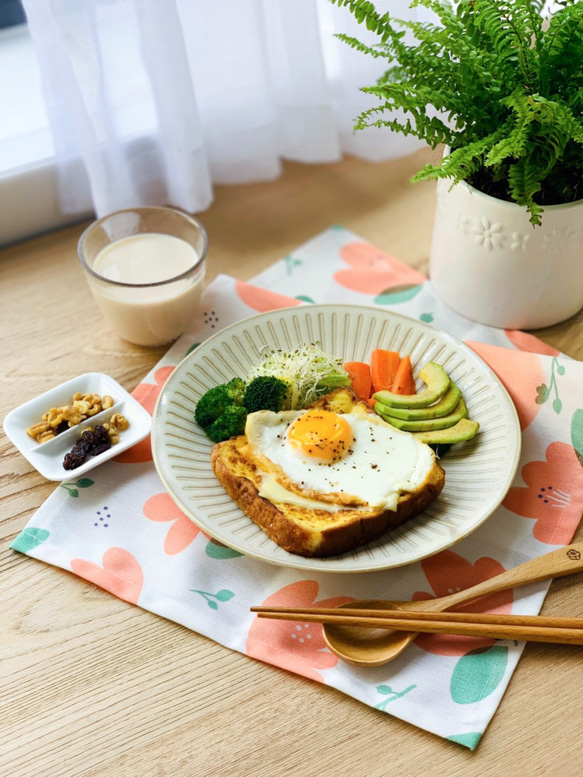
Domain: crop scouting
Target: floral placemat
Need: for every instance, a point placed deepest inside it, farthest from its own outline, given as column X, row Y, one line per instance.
column 119, row 529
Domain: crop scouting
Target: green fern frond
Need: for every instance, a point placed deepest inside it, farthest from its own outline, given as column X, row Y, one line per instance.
column 524, row 184
column 490, row 80
column 354, row 43
column 435, row 131
column 461, row 163
column 507, row 25
column 564, row 45
column 516, row 142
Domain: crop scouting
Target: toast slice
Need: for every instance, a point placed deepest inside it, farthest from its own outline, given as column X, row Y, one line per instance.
column 308, row 530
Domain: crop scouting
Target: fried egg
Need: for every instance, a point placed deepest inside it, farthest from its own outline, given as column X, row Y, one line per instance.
column 349, row 459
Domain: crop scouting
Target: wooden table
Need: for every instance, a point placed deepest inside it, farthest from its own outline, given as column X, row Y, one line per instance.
column 94, row 686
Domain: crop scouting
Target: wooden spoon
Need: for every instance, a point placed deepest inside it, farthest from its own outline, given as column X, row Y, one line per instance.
column 374, row 647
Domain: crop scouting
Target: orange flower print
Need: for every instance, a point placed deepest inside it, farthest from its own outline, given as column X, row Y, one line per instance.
column 526, row 342
column 121, row 574
column 298, row 647
column 146, row 394
column 553, row 495
column 181, row 533
column 373, row 271
column 447, row 572
column 262, row 300
column 521, row 375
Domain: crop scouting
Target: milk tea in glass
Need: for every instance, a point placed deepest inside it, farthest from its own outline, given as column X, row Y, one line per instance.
column 145, row 267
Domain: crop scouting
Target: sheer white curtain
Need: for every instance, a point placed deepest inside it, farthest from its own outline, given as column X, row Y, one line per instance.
column 154, row 101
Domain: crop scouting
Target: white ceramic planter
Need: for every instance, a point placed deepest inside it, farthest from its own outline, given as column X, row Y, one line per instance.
column 491, row 265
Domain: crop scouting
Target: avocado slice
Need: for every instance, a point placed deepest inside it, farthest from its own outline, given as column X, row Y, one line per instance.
column 437, row 381
column 441, row 408
column 428, row 424
column 462, row 431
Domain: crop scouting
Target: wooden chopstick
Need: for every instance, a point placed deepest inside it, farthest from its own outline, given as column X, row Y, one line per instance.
column 533, row 628
column 453, row 617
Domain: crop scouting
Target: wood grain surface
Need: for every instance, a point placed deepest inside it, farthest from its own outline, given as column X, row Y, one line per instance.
column 92, row 686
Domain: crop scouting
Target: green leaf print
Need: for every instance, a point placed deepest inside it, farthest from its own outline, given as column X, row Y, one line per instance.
column 219, row 551
column 192, row 348
column 470, row 739
column 386, row 690
column 291, row 263
column 397, row 296
column 223, row 595
column 478, row 674
column 543, row 392
column 305, row 298
column 577, row 434
column 72, row 488
column 29, row 539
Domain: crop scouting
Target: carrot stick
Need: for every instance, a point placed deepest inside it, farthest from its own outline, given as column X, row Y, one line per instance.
column 383, row 367
column 404, row 382
column 360, row 379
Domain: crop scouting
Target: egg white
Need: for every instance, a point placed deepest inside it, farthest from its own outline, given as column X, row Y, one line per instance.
column 382, row 461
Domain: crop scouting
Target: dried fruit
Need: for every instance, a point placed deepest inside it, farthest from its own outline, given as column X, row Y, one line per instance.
column 105, row 446
column 91, row 443
column 72, row 460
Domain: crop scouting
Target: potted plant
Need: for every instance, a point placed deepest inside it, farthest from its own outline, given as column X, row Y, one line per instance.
column 500, row 84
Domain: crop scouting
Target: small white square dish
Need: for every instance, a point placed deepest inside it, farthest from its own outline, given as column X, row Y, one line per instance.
column 47, row 457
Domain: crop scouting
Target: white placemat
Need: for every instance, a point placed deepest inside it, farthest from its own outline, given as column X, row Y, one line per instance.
column 119, row 529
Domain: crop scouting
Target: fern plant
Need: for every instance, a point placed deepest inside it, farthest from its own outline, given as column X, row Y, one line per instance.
column 497, row 82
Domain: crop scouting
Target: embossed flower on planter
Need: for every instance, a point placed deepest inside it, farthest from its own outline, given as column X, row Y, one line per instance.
column 557, row 239
column 464, row 224
column 489, row 235
column 518, row 241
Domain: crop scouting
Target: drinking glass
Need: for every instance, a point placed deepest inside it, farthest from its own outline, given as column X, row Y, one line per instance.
column 145, row 268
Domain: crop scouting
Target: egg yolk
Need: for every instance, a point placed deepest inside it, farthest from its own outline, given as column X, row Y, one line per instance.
column 321, row 434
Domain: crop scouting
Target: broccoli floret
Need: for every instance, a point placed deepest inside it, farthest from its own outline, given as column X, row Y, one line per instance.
column 236, row 389
column 215, row 401
column 267, row 393
column 230, row 424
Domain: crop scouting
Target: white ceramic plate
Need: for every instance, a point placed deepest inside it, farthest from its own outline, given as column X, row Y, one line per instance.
column 478, row 473
column 48, row 457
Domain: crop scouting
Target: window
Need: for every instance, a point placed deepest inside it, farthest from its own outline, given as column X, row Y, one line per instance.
column 28, row 180
column 11, row 13
column 25, row 137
